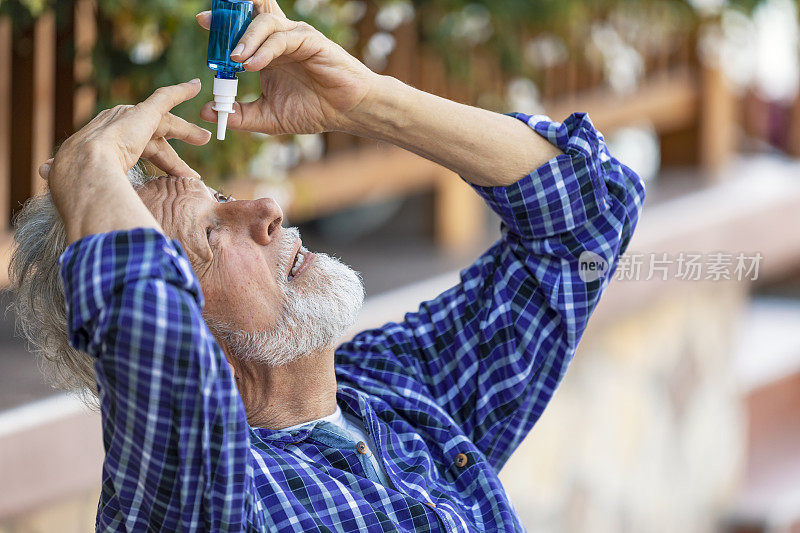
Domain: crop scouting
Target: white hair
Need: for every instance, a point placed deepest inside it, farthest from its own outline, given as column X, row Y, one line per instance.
column 39, row 240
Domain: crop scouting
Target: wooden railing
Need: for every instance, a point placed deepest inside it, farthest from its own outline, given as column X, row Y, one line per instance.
column 45, row 92
column 45, row 70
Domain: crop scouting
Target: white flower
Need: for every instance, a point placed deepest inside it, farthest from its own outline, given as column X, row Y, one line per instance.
column 523, row 96
column 473, row 24
column 395, row 14
column 378, row 48
column 545, row 51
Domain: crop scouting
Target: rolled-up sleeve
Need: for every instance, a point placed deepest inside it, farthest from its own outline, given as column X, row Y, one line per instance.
column 175, row 431
column 491, row 350
column 581, row 201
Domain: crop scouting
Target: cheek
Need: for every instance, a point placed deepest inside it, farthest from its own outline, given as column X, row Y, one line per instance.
column 241, row 290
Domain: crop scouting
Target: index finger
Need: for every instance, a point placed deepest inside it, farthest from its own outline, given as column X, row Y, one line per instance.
column 165, row 98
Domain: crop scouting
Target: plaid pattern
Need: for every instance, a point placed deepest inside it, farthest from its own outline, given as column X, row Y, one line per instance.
column 469, row 373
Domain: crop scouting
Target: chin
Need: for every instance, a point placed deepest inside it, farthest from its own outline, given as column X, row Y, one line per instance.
column 319, row 307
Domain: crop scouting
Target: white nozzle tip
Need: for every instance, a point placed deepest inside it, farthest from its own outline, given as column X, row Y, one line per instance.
column 222, row 124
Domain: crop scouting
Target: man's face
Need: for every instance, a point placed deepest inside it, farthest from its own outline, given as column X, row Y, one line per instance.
column 267, row 298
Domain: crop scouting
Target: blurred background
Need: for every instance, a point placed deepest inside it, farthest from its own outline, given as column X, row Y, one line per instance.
column 681, row 411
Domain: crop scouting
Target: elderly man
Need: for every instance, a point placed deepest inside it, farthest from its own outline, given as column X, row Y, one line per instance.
column 207, row 331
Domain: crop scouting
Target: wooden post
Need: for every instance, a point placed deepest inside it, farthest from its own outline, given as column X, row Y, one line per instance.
column 44, row 82
column 75, row 94
column 793, row 137
column 85, row 40
column 21, row 104
column 65, row 71
column 5, row 117
column 458, row 213
column 718, row 124
column 33, row 105
column 6, row 40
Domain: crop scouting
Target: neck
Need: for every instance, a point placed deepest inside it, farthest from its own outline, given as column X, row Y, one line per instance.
column 287, row 395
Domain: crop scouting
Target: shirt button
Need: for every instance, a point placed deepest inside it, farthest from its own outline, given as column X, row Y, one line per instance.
column 461, row 460
column 361, row 447
column 431, row 505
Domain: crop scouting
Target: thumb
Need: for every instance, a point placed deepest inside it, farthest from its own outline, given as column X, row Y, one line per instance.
column 246, row 116
column 204, row 19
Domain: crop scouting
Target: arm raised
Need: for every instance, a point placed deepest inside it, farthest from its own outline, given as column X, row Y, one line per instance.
column 309, row 84
column 87, row 177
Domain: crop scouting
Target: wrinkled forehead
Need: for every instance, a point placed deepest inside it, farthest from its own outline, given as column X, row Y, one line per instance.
column 176, row 202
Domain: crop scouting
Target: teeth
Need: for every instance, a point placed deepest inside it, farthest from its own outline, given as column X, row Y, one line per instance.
column 298, row 262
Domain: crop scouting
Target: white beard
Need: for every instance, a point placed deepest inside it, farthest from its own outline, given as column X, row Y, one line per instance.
column 318, row 308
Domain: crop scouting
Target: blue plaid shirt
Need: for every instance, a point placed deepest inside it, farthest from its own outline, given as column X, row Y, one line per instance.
column 446, row 395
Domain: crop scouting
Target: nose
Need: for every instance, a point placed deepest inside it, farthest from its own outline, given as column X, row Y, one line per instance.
column 262, row 217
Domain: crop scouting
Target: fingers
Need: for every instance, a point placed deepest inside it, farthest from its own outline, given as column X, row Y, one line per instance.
column 262, row 27
column 172, row 127
column 165, row 98
column 246, row 116
column 204, row 19
column 44, row 169
column 161, row 154
column 296, row 45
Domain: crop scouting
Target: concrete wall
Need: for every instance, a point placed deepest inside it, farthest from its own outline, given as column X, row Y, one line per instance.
column 647, row 432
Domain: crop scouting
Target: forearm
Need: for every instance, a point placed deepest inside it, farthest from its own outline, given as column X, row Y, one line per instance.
column 93, row 197
column 485, row 148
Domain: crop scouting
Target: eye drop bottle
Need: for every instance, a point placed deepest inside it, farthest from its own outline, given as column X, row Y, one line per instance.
column 229, row 20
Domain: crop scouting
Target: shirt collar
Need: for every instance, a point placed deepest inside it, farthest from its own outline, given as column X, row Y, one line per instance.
column 348, row 400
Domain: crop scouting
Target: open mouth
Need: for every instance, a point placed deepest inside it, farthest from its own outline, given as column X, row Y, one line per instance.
column 301, row 259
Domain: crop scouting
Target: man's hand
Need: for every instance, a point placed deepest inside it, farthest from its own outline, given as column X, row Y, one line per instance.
column 87, row 177
column 123, row 134
column 309, row 84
